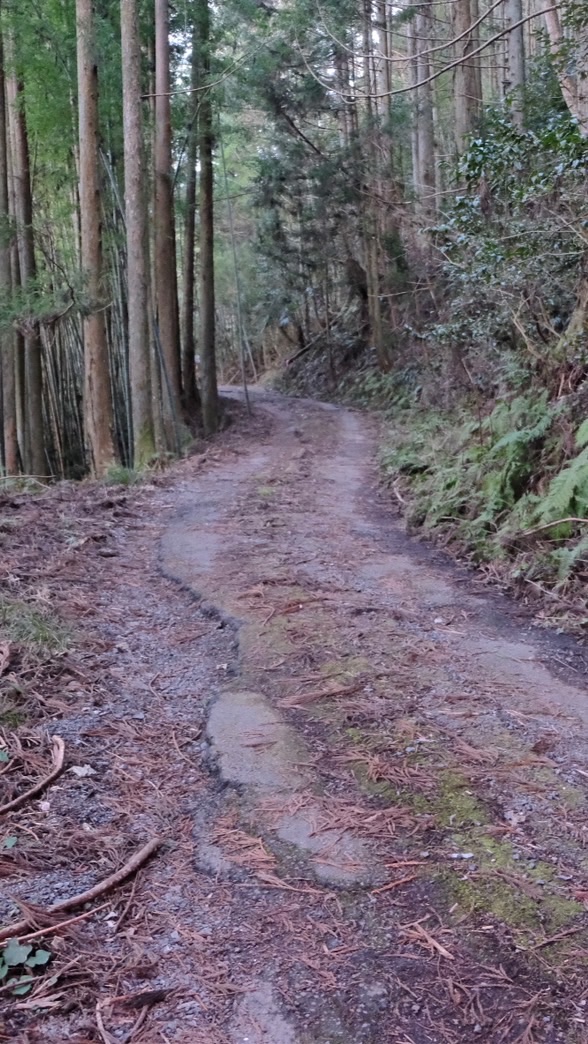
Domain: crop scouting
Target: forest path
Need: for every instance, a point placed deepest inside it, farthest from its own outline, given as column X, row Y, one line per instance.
column 368, row 773
column 378, row 726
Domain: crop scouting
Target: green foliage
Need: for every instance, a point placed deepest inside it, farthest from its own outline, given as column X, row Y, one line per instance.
column 512, row 244
column 480, row 483
column 118, row 475
column 33, row 627
column 568, row 491
column 18, row 963
column 582, row 435
column 396, row 390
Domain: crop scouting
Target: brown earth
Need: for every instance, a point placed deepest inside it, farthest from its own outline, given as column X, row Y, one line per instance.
column 368, row 773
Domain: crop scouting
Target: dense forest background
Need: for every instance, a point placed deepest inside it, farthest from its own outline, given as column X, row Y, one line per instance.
column 380, row 201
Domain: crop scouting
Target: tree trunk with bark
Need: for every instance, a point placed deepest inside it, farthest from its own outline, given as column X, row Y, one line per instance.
column 190, row 400
column 7, row 335
column 516, row 62
column 369, row 206
column 137, row 237
column 165, row 266
column 466, row 75
column 98, row 414
column 34, row 446
column 425, row 120
column 571, row 68
column 208, row 379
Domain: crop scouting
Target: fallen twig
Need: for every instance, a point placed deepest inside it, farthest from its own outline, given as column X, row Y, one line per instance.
column 58, row 762
column 554, row 939
column 294, row 702
column 127, row 907
column 62, row 924
column 105, row 1035
column 394, row 884
column 398, row 495
column 563, row 602
column 418, row 934
column 532, row 534
column 133, row 864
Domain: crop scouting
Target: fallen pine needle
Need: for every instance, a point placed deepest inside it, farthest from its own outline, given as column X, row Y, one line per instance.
column 275, row 882
column 62, row 924
column 133, row 864
column 555, row 938
column 58, row 762
column 405, row 862
column 294, row 702
column 421, row 937
column 394, row 884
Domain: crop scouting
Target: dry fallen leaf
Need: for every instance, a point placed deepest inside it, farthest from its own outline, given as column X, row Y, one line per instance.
column 82, row 771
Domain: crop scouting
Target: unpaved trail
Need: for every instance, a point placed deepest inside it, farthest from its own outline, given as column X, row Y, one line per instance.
column 369, row 774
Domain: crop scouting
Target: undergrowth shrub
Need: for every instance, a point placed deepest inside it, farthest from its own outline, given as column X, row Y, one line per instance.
column 487, row 485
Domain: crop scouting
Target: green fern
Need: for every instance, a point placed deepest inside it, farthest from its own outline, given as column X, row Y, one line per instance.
column 568, row 491
column 582, row 435
column 566, row 559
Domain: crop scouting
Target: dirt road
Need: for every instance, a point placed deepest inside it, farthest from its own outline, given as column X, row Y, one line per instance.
column 369, row 774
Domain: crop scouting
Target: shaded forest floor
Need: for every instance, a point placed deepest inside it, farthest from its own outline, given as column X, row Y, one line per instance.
column 367, row 774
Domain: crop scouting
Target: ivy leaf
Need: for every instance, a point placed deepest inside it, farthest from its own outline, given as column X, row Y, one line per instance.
column 39, row 959
column 23, row 985
column 8, row 843
column 15, row 954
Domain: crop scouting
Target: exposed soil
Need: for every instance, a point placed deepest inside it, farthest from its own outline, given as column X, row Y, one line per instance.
column 367, row 772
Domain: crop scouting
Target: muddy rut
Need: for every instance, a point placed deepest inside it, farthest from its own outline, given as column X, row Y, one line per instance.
column 368, row 772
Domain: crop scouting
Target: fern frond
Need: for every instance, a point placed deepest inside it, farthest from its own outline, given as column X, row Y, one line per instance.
column 582, row 435
column 568, row 491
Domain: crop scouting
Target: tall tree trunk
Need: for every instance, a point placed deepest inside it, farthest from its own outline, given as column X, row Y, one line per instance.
column 516, row 61
column 165, row 265
column 466, row 78
column 209, row 387
column 7, row 335
column 189, row 390
column 369, row 206
column 413, row 79
column 98, row 414
column 34, row 448
column 383, row 64
column 137, row 237
column 425, row 119
column 574, row 84
column 19, row 343
column 163, row 439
